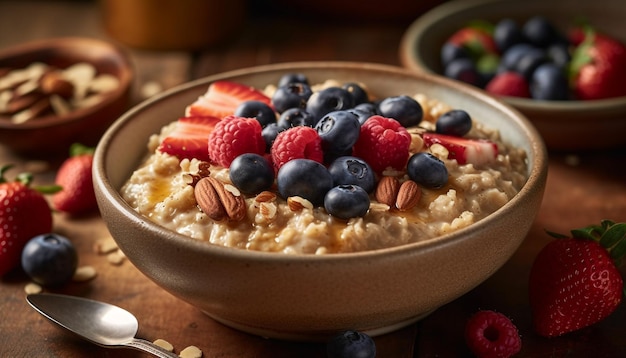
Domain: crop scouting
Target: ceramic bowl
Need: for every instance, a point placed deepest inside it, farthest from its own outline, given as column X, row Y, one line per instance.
column 55, row 133
column 309, row 297
column 564, row 125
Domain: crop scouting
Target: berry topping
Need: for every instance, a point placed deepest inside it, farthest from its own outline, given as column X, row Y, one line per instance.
column 338, row 130
column 297, row 143
column 305, row 178
column 329, row 100
column 256, row 109
column 491, row 334
column 293, row 78
column 427, row 170
column 358, row 93
column 251, row 173
column 222, row 99
column 233, row 136
column 403, row 109
column 351, row 344
column 352, row 170
column 294, row 117
column 383, row 143
column 190, row 138
column 49, row 259
column 291, row 95
column 456, row 122
column 269, row 133
column 347, row 201
column 463, row 150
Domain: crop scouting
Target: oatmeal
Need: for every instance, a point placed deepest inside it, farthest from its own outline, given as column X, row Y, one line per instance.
column 477, row 182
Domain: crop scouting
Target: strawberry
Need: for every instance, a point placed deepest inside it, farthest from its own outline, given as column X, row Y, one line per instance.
column 598, row 67
column 574, row 282
column 190, row 138
column 222, row 99
column 509, row 83
column 476, row 38
column 77, row 195
column 24, row 214
column 464, row 150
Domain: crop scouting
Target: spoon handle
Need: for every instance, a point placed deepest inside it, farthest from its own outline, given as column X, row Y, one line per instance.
column 143, row 345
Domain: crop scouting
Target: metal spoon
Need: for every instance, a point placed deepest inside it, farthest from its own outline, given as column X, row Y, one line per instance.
column 101, row 323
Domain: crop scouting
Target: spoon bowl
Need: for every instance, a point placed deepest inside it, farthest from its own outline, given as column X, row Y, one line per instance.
column 101, row 323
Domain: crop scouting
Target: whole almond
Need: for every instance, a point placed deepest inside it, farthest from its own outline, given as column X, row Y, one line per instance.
column 387, row 190
column 54, row 83
column 208, row 200
column 22, row 102
column 409, row 195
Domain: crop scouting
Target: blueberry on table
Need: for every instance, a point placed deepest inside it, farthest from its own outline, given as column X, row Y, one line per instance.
column 339, row 130
column 291, row 95
column 427, row 170
column 306, row 178
column 256, row 109
column 293, row 78
column 404, row 109
column 352, row 170
column 49, row 259
column 328, row 100
column 351, row 344
column 549, row 82
column 456, row 122
column 347, row 201
column 251, row 173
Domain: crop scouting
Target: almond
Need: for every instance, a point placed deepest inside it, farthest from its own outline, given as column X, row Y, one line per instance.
column 220, row 201
column 208, row 200
column 53, row 83
column 265, row 196
column 409, row 195
column 297, row 203
column 387, row 190
column 22, row 102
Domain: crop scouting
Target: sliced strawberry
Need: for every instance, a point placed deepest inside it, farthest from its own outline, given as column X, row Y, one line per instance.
column 464, row 150
column 223, row 97
column 190, row 138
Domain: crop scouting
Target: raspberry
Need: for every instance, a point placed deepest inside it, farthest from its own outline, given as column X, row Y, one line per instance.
column 383, row 143
column 492, row 334
column 234, row 136
column 297, row 143
column 509, row 84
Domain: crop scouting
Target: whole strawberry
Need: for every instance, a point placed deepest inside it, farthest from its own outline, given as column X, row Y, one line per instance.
column 24, row 213
column 598, row 67
column 574, row 281
column 74, row 177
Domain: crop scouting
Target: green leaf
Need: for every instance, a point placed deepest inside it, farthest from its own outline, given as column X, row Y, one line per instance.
column 613, row 235
column 77, row 149
column 591, row 232
column 619, row 250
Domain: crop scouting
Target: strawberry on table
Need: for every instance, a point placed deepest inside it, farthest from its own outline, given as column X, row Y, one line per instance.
column 464, row 150
column 190, row 138
column 574, row 281
column 598, row 67
column 24, row 213
column 222, row 99
column 77, row 195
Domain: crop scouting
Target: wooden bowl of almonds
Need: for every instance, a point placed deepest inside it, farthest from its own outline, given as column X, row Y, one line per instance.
column 59, row 91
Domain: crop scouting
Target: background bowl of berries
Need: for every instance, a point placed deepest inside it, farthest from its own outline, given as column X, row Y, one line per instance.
column 561, row 63
column 60, row 91
column 306, row 295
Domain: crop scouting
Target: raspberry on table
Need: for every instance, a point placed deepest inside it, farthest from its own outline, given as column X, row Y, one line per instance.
column 383, row 143
column 297, row 143
column 234, row 136
column 491, row 334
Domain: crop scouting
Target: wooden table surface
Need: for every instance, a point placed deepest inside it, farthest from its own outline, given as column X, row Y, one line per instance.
column 582, row 188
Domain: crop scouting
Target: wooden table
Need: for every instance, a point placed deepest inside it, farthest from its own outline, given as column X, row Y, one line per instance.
column 582, row 188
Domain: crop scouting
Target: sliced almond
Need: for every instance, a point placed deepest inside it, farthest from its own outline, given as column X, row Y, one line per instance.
column 265, row 196
column 298, row 203
column 53, row 83
column 409, row 195
column 387, row 190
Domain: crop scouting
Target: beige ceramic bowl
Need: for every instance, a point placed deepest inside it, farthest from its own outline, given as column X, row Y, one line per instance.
column 53, row 134
column 309, row 296
column 564, row 125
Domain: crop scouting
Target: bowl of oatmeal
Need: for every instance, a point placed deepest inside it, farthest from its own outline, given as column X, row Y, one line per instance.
column 282, row 261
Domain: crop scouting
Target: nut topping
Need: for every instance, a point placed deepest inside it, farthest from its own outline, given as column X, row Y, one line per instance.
column 403, row 196
column 408, row 195
column 387, row 190
column 219, row 203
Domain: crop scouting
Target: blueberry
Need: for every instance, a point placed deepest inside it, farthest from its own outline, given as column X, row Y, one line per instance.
column 451, row 51
column 507, row 33
column 511, row 56
column 338, row 130
column 464, row 70
column 540, row 32
column 367, row 107
column 49, row 259
column 251, row 173
column 559, row 54
column 352, row 170
column 528, row 62
column 291, row 95
column 293, row 78
column 427, row 170
column 361, row 114
column 294, row 117
column 351, row 344
column 456, row 122
column 403, row 109
column 329, row 100
column 269, row 134
column 305, row 178
column 347, row 201
column 358, row 93
column 256, row 109
column 549, row 82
